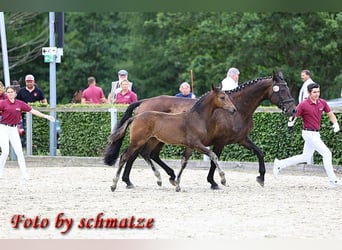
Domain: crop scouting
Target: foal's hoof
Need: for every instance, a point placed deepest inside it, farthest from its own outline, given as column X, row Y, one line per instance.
column 159, row 183
column 260, row 181
column 130, row 186
column 112, row 188
column 215, row 187
column 178, row 189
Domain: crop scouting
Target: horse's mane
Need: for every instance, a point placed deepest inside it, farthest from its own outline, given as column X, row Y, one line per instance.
column 246, row 84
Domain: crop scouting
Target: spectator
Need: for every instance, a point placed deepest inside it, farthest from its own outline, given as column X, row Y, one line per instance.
column 232, row 79
column 93, row 94
column 3, row 95
column 310, row 110
column 306, row 78
column 125, row 96
column 11, row 115
column 116, row 86
column 185, row 91
column 31, row 93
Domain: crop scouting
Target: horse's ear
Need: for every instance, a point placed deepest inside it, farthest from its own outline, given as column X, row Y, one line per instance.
column 212, row 87
column 281, row 75
column 220, row 86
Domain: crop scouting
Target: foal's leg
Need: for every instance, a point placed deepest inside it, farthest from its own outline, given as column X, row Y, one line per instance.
column 118, row 171
column 247, row 143
column 123, row 159
column 186, row 155
column 146, row 152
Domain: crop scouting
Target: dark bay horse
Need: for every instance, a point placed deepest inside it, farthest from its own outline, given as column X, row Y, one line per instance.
column 189, row 129
column 227, row 128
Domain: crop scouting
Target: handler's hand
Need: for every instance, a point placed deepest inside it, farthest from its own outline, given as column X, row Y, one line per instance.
column 336, row 127
column 50, row 118
column 290, row 124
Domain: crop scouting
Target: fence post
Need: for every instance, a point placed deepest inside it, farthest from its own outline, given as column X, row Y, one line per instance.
column 113, row 118
column 28, row 133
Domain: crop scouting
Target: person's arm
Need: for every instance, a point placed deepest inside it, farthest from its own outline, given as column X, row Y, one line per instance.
column 84, row 101
column 40, row 114
column 44, row 101
column 333, row 119
column 104, row 100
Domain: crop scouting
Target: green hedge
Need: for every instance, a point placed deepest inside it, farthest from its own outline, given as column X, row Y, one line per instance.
column 86, row 134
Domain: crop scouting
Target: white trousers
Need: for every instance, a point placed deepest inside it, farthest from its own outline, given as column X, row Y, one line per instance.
column 10, row 135
column 313, row 142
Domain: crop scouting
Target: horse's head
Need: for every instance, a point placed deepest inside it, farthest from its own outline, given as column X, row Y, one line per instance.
column 77, row 96
column 280, row 94
column 222, row 100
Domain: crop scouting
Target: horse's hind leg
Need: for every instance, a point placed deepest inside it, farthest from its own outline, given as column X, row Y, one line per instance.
column 214, row 158
column 186, row 155
column 145, row 152
column 247, row 143
column 123, row 159
column 217, row 149
column 127, row 170
column 117, row 176
column 155, row 171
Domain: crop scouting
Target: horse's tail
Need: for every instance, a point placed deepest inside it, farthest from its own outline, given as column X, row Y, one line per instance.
column 115, row 142
column 128, row 113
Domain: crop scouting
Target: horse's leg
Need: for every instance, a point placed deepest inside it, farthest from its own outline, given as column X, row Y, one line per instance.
column 155, row 156
column 247, row 143
column 123, row 159
column 217, row 149
column 147, row 158
column 186, row 155
column 127, row 170
column 146, row 152
column 213, row 157
column 118, row 171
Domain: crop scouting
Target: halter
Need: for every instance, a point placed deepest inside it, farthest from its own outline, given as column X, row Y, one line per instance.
column 276, row 90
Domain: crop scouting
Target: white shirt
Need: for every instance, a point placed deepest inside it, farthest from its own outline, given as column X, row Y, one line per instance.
column 303, row 93
column 228, row 83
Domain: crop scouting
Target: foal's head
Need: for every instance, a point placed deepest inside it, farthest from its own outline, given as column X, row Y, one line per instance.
column 220, row 99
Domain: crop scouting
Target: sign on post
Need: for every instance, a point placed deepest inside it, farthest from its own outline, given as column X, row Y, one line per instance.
column 49, row 54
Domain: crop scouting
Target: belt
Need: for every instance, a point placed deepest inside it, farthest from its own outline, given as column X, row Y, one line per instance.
column 9, row 125
column 311, row 129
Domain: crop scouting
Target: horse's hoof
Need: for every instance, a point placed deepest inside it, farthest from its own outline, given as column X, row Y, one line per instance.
column 112, row 188
column 130, row 186
column 173, row 182
column 159, row 183
column 260, row 181
column 178, row 189
column 224, row 182
column 215, row 187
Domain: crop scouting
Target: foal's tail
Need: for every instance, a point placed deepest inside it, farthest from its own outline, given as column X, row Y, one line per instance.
column 115, row 142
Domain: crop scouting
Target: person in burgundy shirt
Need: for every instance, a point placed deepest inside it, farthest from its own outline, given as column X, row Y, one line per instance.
column 93, row 94
column 11, row 115
column 310, row 110
column 125, row 96
column 3, row 95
